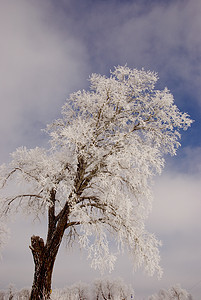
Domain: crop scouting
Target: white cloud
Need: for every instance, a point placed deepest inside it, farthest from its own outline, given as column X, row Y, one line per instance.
column 162, row 37
column 40, row 65
column 177, row 204
column 175, row 219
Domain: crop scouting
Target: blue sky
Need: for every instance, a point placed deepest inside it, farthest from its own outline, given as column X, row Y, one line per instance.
column 48, row 49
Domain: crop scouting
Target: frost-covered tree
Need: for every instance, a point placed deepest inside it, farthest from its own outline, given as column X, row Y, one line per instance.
column 79, row 291
column 105, row 289
column 174, row 293
column 23, row 294
column 2, row 295
column 12, row 293
column 94, row 181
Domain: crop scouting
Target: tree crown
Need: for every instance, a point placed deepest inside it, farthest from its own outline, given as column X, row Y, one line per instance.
column 109, row 143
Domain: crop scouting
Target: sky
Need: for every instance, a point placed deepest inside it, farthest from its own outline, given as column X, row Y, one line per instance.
column 48, row 49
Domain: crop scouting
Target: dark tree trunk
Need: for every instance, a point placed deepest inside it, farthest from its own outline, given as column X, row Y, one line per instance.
column 44, row 255
column 44, row 263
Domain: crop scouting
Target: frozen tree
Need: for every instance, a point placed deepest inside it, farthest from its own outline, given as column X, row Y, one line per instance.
column 2, row 295
column 174, row 293
column 95, row 180
column 177, row 293
column 100, row 289
column 79, row 291
column 12, row 293
column 105, row 289
column 23, row 294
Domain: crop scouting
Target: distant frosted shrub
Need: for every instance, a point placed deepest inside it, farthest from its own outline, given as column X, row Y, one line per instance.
column 12, row 294
column 23, row 294
column 111, row 289
column 2, row 295
column 101, row 289
column 174, row 293
column 79, row 291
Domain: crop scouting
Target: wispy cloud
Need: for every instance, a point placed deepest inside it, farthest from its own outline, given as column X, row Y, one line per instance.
column 39, row 66
column 177, row 204
column 163, row 37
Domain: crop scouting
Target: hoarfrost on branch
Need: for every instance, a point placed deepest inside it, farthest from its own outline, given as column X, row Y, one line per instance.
column 105, row 150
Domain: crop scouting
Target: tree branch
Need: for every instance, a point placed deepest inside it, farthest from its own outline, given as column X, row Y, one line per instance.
column 24, row 196
column 51, row 214
column 15, row 170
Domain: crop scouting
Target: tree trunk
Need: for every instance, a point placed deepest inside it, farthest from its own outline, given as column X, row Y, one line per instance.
column 44, row 262
column 44, row 255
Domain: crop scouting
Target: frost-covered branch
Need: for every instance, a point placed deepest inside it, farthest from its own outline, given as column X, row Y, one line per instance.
column 95, row 180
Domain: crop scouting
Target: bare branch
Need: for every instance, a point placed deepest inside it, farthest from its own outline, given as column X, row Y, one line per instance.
column 24, row 196
column 70, row 224
column 19, row 197
column 15, row 170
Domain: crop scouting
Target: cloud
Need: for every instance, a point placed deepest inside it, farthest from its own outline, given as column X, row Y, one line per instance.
column 175, row 219
column 188, row 160
column 161, row 36
column 177, row 205
column 40, row 65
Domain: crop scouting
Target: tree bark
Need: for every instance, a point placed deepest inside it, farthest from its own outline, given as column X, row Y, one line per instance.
column 44, row 259
column 44, row 263
column 44, row 255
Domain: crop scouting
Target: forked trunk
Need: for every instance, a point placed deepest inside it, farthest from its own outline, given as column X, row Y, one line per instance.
column 44, row 255
column 41, row 287
column 44, row 262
